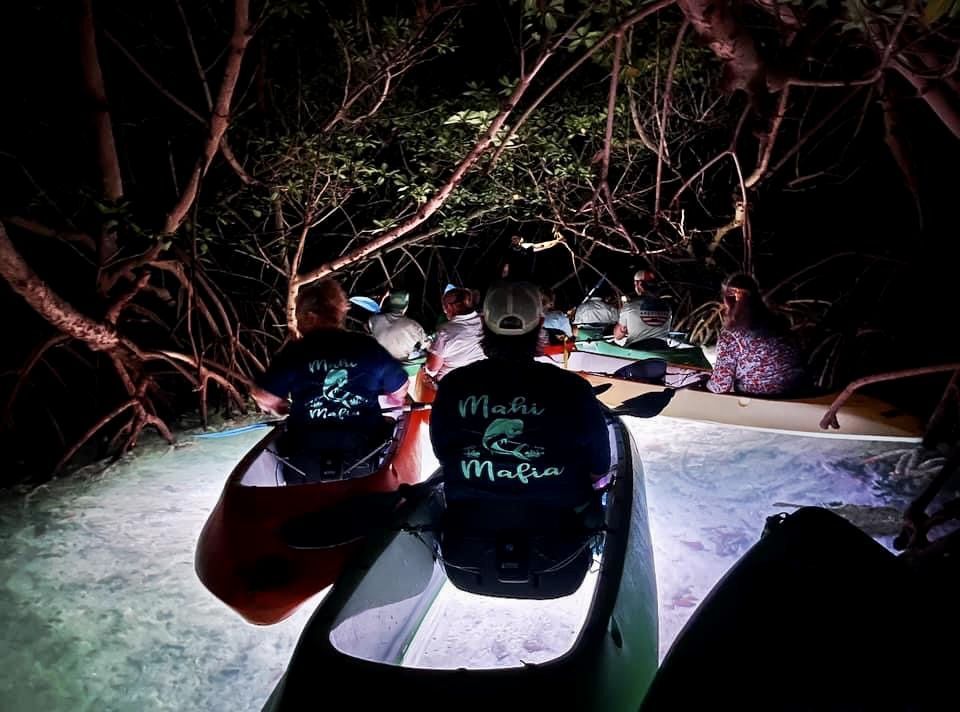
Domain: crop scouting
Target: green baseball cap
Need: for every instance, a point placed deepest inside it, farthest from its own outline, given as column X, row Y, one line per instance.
column 398, row 300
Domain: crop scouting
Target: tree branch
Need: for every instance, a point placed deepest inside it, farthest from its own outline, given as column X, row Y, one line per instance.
column 667, row 98
column 220, row 118
column 103, row 125
column 61, row 315
column 829, row 419
column 434, row 203
column 769, row 140
column 613, row 32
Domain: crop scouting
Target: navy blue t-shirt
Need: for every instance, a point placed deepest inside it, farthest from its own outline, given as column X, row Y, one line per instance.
column 333, row 377
column 521, row 430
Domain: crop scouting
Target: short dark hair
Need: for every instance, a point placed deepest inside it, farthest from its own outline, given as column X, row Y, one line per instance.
column 519, row 347
column 326, row 300
column 463, row 301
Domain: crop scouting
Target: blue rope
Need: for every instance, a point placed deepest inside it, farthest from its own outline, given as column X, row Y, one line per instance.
column 234, row 431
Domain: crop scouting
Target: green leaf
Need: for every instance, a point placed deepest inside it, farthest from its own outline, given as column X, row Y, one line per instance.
column 936, row 9
column 550, row 22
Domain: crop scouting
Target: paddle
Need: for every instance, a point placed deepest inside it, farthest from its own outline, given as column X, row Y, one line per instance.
column 650, row 370
column 366, row 514
column 603, row 278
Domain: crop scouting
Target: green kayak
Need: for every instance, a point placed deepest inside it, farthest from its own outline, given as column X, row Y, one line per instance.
column 412, row 366
column 683, row 356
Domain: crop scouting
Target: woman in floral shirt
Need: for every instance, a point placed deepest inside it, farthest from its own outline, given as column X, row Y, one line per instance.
column 756, row 353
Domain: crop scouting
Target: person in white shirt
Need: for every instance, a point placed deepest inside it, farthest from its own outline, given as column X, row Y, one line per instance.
column 401, row 336
column 457, row 342
column 595, row 311
column 645, row 321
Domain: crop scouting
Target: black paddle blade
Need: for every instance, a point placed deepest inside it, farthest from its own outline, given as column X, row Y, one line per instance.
column 646, row 405
column 650, row 370
column 342, row 524
column 602, row 388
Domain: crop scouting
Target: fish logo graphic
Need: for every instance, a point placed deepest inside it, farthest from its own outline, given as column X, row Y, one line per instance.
column 334, row 388
column 500, row 438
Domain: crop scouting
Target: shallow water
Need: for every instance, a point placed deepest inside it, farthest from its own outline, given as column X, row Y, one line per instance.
column 100, row 608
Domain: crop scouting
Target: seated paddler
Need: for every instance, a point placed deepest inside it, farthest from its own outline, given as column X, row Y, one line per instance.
column 519, row 435
column 329, row 382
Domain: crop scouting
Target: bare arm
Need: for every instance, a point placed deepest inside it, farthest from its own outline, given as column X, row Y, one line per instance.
column 270, row 402
column 434, row 364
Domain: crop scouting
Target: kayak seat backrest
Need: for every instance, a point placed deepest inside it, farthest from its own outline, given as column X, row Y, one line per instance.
column 651, row 370
column 330, row 457
column 543, row 555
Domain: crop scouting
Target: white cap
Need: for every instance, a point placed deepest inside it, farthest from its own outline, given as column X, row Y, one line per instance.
column 512, row 308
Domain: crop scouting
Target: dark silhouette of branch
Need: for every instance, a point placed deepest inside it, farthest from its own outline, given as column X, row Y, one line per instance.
column 176, row 101
column 38, row 353
column 667, row 99
column 81, row 238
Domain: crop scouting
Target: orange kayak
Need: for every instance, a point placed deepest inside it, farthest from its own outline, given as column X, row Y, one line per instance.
column 240, row 555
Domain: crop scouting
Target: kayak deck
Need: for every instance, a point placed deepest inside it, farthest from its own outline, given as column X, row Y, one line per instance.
column 683, row 356
column 862, row 417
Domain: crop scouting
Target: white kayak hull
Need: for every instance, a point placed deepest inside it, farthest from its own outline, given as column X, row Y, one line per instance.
column 861, row 417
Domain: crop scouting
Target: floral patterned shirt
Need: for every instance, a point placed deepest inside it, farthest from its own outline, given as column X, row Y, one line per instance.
column 755, row 364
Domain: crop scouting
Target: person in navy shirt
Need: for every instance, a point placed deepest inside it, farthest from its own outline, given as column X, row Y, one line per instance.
column 329, row 380
column 510, row 429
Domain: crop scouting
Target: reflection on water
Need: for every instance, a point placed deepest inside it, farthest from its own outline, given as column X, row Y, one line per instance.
column 710, row 489
column 100, row 608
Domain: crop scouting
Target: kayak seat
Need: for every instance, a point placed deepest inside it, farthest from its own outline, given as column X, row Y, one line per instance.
column 650, row 370
column 325, row 457
column 542, row 555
